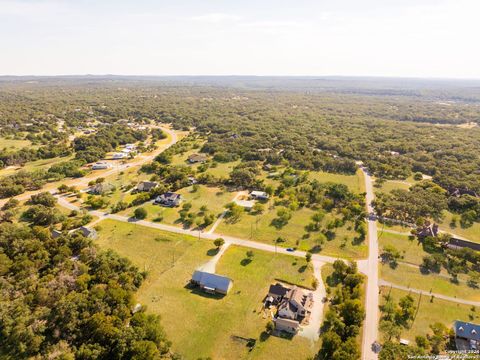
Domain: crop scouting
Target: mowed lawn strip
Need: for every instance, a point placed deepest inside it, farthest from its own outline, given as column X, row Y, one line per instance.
column 430, row 312
column 411, row 277
column 200, row 325
column 355, row 183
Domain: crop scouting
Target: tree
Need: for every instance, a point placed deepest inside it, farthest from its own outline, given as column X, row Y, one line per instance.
column 258, row 208
column 219, row 242
column 389, row 329
column 43, row 198
column 270, row 327
column 308, row 257
column 417, row 176
column 140, row 213
column 250, row 254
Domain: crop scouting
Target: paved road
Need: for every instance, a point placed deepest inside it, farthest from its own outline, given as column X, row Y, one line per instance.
column 428, row 293
column 82, row 182
column 369, row 267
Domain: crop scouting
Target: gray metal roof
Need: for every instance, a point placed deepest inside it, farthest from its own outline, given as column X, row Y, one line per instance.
column 212, row 280
column 467, row 330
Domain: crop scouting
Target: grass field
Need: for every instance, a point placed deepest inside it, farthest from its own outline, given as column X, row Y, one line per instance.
column 222, row 170
column 429, row 312
column 200, row 325
column 355, row 183
column 412, row 277
column 34, row 165
column 471, row 233
column 258, row 227
column 13, row 144
column 213, row 197
column 411, row 249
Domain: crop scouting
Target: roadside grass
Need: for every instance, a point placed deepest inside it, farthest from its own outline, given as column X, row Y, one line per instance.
column 258, row 227
column 213, row 197
column 471, row 233
column 200, row 325
column 430, row 312
column 411, row 249
column 411, row 277
column 394, row 227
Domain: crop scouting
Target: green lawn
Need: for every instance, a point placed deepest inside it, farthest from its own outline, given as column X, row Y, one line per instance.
column 471, row 233
column 213, row 197
column 259, row 228
column 412, row 277
column 355, row 183
column 222, row 170
column 200, row 325
column 429, row 312
column 411, row 249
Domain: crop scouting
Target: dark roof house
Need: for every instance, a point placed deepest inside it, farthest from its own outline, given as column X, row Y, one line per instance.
column 427, row 229
column 146, row 185
column 277, row 291
column 212, row 283
column 467, row 331
column 87, row 232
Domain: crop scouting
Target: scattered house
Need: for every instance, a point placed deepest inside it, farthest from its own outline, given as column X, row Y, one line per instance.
column 169, row 199
column 295, row 305
column 427, row 229
column 197, row 158
column 467, row 332
column 87, row 232
column 247, row 204
column 100, row 188
column 146, row 185
column 277, row 292
column 404, row 342
column 211, row 283
column 287, row 325
column 100, row 166
column 126, row 151
column 56, row 233
column 259, row 195
column 457, row 244
column 119, row 156
column 130, row 147
column 192, row 180
column 454, row 191
column 267, row 167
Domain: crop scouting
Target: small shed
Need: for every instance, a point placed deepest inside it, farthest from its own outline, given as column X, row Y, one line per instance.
column 146, row 185
column 87, row 232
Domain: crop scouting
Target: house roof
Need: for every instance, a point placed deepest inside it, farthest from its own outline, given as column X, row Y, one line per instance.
column 197, row 157
column 287, row 322
column 170, row 196
column 467, row 330
column 278, row 290
column 258, row 193
column 147, row 185
column 212, row 281
column 86, row 231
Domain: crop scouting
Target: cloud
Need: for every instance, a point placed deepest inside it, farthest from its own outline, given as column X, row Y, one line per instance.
column 216, row 18
column 29, row 8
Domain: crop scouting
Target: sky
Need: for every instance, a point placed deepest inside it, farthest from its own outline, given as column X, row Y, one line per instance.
column 400, row 38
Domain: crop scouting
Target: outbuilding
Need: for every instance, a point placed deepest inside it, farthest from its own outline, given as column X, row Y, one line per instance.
column 211, row 283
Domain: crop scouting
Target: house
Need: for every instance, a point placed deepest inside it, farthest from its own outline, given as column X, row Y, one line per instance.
column 100, row 188
column 192, row 180
column 169, row 199
column 211, row 283
column 295, row 305
column 55, row 234
column 146, row 185
column 277, row 292
column 100, row 166
column 259, row 195
column 457, row 192
column 287, row 325
column 87, row 232
column 467, row 333
column 130, row 147
column 247, row 204
column 119, row 156
column 427, row 229
column 457, row 244
column 197, row 158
